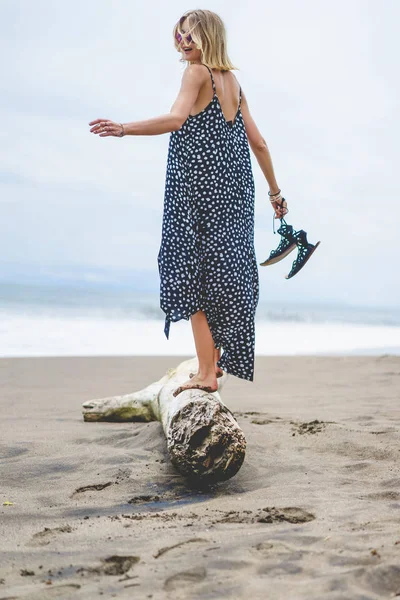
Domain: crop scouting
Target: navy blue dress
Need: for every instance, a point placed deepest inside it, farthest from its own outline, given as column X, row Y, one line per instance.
column 207, row 258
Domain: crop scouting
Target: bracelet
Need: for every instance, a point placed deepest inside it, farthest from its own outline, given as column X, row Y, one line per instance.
column 122, row 132
column 280, row 204
column 277, row 193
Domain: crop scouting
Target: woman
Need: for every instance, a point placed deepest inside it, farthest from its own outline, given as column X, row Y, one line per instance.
column 207, row 264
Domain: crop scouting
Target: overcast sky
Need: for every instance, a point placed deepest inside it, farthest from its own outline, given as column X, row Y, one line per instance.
column 321, row 79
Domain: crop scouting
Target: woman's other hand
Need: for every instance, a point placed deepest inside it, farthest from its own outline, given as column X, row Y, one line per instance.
column 106, row 128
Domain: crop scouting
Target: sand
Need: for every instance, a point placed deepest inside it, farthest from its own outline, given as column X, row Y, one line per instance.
column 96, row 510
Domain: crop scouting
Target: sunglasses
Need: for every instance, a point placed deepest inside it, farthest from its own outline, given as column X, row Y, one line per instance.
column 188, row 37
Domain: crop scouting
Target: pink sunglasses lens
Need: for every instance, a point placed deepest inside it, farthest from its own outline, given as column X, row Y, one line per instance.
column 189, row 38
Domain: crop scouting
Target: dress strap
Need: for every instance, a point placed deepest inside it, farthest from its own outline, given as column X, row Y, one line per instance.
column 212, row 79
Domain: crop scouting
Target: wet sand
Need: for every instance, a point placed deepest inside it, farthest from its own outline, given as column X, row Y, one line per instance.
column 96, row 510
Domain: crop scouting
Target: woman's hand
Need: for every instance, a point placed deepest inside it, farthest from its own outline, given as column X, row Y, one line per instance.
column 106, row 128
column 280, row 207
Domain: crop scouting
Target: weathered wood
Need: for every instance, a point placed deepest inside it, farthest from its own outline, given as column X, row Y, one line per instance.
column 204, row 441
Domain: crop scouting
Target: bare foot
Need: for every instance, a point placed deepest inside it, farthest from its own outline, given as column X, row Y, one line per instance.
column 218, row 373
column 208, row 384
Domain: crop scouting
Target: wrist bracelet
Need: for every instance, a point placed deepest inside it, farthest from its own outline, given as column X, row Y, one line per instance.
column 277, row 193
column 122, row 132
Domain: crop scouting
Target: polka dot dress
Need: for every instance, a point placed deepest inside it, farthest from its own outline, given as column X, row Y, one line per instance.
column 207, row 259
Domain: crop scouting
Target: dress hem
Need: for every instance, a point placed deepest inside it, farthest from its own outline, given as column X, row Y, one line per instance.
column 171, row 319
column 224, row 361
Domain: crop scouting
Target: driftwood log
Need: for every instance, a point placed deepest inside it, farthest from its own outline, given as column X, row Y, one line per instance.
column 204, row 441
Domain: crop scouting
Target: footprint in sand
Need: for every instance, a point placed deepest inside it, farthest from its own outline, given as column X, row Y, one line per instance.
column 42, row 538
column 289, row 514
column 113, row 565
column 279, row 549
column 185, row 578
column 311, row 427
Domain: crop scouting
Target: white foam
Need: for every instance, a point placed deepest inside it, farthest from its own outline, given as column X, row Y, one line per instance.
column 25, row 335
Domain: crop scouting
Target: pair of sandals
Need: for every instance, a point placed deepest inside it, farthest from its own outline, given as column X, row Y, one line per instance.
column 196, row 386
column 290, row 239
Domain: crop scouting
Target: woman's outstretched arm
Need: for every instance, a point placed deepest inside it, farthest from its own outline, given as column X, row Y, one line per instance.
column 192, row 80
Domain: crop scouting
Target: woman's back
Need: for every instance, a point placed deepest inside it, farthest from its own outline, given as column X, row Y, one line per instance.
column 227, row 90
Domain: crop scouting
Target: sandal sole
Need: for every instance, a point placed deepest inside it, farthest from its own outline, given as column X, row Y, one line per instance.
column 276, row 259
column 306, row 260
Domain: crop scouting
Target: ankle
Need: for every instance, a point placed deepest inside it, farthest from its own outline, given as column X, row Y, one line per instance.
column 206, row 372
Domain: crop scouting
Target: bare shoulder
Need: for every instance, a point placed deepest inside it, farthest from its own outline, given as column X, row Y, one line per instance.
column 196, row 73
column 234, row 77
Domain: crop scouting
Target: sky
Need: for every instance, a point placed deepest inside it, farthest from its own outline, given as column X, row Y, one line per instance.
column 321, row 82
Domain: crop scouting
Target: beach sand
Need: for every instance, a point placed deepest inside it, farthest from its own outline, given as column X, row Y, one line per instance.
column 96, row 509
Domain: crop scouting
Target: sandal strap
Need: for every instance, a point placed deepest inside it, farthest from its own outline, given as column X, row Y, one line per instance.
column 281, row 219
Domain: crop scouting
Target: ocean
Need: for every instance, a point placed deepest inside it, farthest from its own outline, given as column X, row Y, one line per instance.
column 95, row 320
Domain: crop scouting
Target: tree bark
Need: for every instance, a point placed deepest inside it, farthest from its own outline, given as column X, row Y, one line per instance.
column 204, row 441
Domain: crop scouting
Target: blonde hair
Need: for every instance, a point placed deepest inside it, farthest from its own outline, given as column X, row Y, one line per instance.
column 208, row 32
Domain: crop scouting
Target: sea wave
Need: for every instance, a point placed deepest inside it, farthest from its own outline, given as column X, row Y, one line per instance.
column 116, row 304
column 51, row 335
